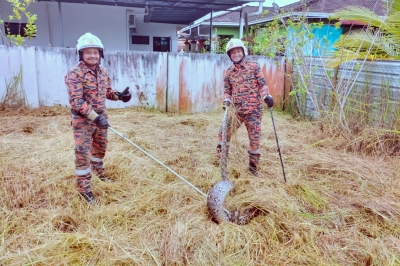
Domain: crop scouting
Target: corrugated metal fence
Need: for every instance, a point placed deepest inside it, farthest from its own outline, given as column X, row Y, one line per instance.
column 164, row 81
column 365, row 90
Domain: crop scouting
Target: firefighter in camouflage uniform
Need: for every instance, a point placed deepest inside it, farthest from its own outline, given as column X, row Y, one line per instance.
column 244, row 87
column 89, row 86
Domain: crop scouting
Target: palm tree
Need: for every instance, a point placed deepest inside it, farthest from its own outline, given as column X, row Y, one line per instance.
column 379, row 40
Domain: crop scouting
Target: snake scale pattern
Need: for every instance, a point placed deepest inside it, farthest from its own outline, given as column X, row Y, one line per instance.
column 218, row 192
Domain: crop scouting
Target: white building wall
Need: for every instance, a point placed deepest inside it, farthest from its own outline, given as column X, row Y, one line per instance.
column 109, row 23
column 106, row 22
column 153, row 30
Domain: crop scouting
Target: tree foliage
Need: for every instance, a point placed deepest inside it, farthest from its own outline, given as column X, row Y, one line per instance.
column 20, row 13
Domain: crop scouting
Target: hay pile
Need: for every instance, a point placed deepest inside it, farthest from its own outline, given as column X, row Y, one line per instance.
column 337, row 208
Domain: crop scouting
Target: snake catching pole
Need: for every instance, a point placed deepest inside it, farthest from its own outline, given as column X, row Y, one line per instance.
column 155, row 159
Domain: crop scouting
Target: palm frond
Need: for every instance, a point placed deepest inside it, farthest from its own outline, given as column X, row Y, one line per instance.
column 345, row 55
column 366, row 42
column 394, row 18
column 362, row 44
column 393, row 5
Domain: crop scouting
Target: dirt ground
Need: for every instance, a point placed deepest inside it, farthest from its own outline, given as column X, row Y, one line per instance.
column 337, row 207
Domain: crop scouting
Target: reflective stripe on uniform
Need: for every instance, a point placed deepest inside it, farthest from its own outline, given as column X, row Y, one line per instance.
column 97, row 160
column 83, row 172
column 255, row 152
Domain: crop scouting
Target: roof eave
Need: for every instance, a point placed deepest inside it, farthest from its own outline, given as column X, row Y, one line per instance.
column 229, row 24
column 306, row 14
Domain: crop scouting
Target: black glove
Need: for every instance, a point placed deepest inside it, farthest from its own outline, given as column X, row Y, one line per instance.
column 269, row 101
column 101, row 122
column 125, row 95
column 225, row 104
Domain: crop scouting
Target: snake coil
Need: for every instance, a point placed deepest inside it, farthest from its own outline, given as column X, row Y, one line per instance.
column 218, row 192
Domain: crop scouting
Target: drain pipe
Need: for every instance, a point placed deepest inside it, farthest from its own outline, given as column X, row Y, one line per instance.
column 200, row 34
column 187, row 34
column 211, row 23
column 61, row 24
column 48, row 23
column 241, row 21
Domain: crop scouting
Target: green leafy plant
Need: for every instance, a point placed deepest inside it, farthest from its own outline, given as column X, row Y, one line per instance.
column 318, row 89
column 218, row 46
column 19, row 13
column 292, row 36
column 222, row 44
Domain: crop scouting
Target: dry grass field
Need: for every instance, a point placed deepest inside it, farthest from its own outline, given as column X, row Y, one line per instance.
column 340, row 205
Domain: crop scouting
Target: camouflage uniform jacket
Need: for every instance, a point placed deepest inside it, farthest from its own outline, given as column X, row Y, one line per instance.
column 245, row 86
column 88, row 91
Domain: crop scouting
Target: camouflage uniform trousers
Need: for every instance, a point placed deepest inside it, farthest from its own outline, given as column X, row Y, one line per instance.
column 252, row 122
column 90, row 148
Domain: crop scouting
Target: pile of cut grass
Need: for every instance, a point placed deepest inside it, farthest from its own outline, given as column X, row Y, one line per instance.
column 337, row 208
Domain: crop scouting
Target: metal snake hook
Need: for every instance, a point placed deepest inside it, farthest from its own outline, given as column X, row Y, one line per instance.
column 155, row 159
column 277, row 143
column 152, row 157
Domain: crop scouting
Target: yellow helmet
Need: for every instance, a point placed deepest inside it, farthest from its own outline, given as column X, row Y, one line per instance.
column 235, row 43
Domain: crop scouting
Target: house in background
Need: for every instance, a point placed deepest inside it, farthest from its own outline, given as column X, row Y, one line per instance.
column 230, row 24
column 317, row 11
column 138, row 25
column 218, row 26
column 321, row 10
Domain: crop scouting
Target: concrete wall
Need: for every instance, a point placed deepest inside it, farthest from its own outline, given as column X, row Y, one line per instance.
column 165, row 81
column 109, row 23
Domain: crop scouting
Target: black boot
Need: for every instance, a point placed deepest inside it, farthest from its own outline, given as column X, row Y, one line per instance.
column 100, row 174
column 98, row 169
column 253, row 169
column 88, row 196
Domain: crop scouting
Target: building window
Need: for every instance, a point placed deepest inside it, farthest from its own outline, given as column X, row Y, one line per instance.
column 161, row 44
column 225, row 37
column 136, row 39
column 15, row 28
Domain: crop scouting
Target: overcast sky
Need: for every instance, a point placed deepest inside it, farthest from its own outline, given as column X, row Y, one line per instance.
column 279, row 2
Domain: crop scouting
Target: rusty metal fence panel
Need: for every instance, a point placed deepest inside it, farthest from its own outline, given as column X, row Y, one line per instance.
column 196, row 81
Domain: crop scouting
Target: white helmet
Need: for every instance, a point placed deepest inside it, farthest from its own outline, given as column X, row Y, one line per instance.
column 88, row 40
column 235, row 43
